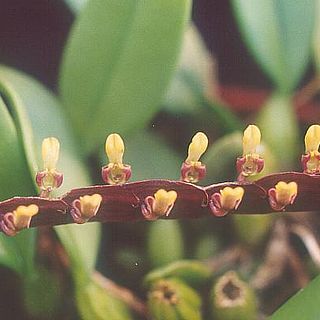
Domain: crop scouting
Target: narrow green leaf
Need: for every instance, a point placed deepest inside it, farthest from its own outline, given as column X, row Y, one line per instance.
column 279, row 34
column 303, row 305
column 279, row 129
column 94, row 302
column 14, row 172
column 47, row 119
column 118, row 63
column 165, row 242
column 192, row 272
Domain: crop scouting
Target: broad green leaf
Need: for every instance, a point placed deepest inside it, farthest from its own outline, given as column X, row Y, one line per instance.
column 303, row 305
column 118, row 62
column 279, row 35
column 279, row 129
column 47, row 119
column 76, row 5
column 316, row 38
column 151, row 158
column 196, row 61
column 192, row 83
column 18, row 252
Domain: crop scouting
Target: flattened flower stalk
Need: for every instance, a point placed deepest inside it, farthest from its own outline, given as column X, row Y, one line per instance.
column 120, row 201
column 282, row 195
column 49, row 178
column 192, row 169
column 158, row 205
column 115, row 172
column 251, row 162
column 310, row 161
column 19, row 219
column 86, row 207
column 228, row 199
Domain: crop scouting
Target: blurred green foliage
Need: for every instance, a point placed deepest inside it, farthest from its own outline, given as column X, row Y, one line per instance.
column 121, row 72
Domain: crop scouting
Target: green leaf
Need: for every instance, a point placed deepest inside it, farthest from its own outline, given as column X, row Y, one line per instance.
column 193, row 81
column 47, row 119
column 303, row 305
column 94, row 302
column 165, row 242
column 195, row 60
column 14, row 172
column 41, row 292
column 220, row 158
column 76, row 5
column 118, row 62
column 151, row 158
column 279, row 35
column 192, row 272
column 316, row 38
column 279, row 129
column 16, row 253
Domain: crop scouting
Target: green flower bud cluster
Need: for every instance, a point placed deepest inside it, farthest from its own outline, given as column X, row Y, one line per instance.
column 171, row 299
column 232, row 299
column 172, row 294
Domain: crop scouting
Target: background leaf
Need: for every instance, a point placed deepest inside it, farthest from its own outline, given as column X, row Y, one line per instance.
column 118, row 63
column 165, row 242
column 151, row 158
column 316, row 38
column 195, row 60
column 279, row 34
column 47, row 119
column 279, row 129
column 76, row 5
column 304, row 305
column 13, row 167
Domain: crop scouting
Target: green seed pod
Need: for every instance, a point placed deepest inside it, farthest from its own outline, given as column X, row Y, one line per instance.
column 192, row 272
column 171, row 299
column 233, row 299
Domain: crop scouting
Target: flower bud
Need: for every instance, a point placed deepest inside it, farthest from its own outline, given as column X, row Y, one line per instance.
column 49, row 178
column 251, row 162
column 171, row 299
column 115, row 172
column 233, row 299
column 311, row 160
column 192, row 169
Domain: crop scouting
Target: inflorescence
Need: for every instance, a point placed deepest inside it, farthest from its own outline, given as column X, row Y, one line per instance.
column 119, row 200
